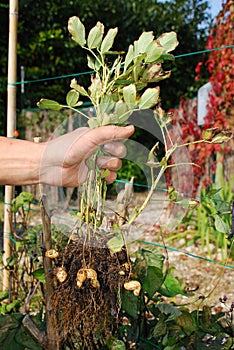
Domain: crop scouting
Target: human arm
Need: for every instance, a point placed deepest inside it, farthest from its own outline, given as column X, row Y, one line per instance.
column 62, row 161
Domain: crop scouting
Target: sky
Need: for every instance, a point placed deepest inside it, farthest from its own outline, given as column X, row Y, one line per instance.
column 216, row 6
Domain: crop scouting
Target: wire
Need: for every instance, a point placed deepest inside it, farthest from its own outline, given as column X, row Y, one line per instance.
column 90, row 72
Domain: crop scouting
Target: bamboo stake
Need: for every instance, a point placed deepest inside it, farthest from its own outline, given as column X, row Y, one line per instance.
column 11, row 123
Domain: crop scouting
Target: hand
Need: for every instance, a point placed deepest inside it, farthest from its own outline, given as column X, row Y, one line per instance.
column 64, row 158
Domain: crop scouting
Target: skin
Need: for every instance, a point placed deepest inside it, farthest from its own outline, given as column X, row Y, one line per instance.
column 63, row 160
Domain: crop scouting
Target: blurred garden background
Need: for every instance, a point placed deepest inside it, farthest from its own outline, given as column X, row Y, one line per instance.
column 199, row 95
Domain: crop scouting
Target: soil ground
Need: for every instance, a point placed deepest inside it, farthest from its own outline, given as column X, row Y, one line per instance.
column 208, row 280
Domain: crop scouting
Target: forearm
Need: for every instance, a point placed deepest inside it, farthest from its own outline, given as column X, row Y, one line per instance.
column 19, row 161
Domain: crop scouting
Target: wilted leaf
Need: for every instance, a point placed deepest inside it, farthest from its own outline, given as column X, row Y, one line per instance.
column 223, row 136
column 116, row 243
column 149, row 98
column 186, row 321
column 108, row 41
column 72, row 98
column 129, row 95
column 95, row 88
column 78, row 88
column 77, row 30
column 193, row 203
column 168, row 41
column 160, row 327
column 49, row 104
column 95, row 36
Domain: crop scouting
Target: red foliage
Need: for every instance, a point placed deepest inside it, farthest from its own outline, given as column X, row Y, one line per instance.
column 220, row 65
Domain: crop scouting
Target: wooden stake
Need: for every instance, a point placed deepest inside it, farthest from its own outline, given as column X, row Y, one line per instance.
column 11, row 125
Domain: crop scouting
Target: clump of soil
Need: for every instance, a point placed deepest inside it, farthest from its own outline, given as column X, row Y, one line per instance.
column 88, row 313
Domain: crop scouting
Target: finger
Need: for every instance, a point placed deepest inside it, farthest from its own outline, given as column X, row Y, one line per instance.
column 116, row 148
column 110, row 133
column 110, row 163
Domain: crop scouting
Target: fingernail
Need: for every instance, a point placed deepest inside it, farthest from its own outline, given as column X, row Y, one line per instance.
column 129, row 127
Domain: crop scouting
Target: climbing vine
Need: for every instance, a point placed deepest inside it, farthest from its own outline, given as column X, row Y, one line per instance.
column 220, row 108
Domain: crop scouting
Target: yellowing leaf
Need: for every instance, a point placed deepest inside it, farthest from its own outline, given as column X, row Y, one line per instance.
column 129, row 57
column 77, row 30
column 143, row 42
column 72, row 98
column 49, row 104
column 153, row 52
column 109, row 40
column 129, row 94
column 149, row 98
column 168, row 41
column 95, row 36
column 78, row 88
column 116, row 243
column 223, row 136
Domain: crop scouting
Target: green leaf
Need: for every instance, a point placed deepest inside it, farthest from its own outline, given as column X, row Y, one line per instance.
column 4, row 295
column 208, row 133
column 153, row 257
column 108, row 41
column 171, row 287
column 72, row 98
column 116, row 243
column 129, row 95
column 152, row 281
column 129, row 304
column 143, row 42
column 25, row 340
column 15, row 305
column 95, row 36
column 49, row 104
column 168, row 309
column 22, row 200
column 149, row 98
column 117, row 345
column 77, row 30
column 129, row 57
column 153, row 52
column 168, row 41
column 39, row 274
column 221, row 226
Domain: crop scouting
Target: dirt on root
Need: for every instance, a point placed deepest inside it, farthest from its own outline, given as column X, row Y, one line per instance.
column 83, row 312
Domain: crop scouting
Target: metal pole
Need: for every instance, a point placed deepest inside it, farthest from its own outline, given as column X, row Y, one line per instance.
column 11, row 126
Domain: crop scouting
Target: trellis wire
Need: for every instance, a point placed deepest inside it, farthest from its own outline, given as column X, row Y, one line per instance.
column 90, row 72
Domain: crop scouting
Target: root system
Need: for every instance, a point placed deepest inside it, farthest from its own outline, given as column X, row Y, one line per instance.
column 86, row 309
